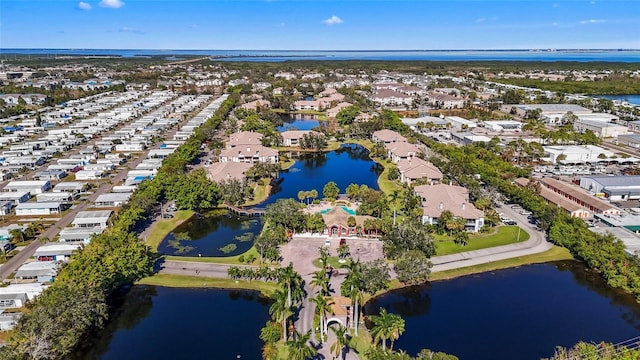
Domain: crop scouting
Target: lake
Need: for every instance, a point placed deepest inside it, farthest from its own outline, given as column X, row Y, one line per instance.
column 299, row 122
column 521, row 313
column 207, row 235
column 633, row 99
column 171, row 323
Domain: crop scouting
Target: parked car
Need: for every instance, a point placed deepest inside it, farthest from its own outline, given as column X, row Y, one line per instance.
column 167, row 216
column 343, row 241
column 327, row 243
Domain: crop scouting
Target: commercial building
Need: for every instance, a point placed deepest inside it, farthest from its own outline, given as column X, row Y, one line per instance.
column 615, row 188
column 579, row 196
column 575, row 154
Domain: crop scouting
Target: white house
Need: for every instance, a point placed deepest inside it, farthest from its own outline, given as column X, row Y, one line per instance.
column 250, row 154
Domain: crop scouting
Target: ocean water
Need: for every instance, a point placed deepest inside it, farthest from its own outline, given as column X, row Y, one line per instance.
column 408, row 55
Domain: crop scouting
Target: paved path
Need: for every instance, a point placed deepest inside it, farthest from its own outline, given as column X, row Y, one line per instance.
column 194, row 268
column 537, row 243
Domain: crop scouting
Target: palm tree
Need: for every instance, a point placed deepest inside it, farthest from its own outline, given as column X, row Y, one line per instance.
column 321, row 280
column 386, row 326
column 397, row 328
column 16, row 235
column 352, row 287
column 380, row 329
column 322, row 307
column 301, row 195
column 341, row 341
column 279, row 310
column 287, row 278
column 313, row 194
column 393, row 197
column 299, row 347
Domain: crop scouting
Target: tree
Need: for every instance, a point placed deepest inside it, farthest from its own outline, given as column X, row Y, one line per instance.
column 289, row 278
column 285, row 212
column 413, row 267
column 299, row 347
column 280, row 311
column 321, row 280
column 301, row 195
column 408, row 235
column 393, row 197
column 386, row 326
column 343, row 251
column 342, row 342
column 352, row 287
column 322, row 307
column 331, row 190
column 347, row 115
column 16, row 235
column 313, row 194
column 375, row 276
column 352, row 191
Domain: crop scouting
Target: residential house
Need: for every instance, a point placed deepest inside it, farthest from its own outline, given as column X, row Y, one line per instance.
column 387, row 136
column 90, row 219
column 244, row 138
column 223, row 171
column 294, row 137
column 250, row 154
column 440, row 197
column 401, row 150
column 415, row 168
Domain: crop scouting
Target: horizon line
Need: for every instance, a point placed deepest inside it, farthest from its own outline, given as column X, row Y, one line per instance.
column 335, row 50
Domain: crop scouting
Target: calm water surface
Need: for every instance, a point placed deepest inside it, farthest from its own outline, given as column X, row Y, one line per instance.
column 349, row 164
column 170, row 323
column 631, row 99
column 521, row 313
column 299, row 122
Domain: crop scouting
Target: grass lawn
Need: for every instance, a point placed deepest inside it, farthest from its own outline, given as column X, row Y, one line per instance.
column 333, row 261
column 260, row 194
column 387, row 186
column 556, row 253
column 164, row 226
column 333, row 145
column 504, row 236
column 361, row 343
column 170, row 280
column 284, row 165
column 230, row 260
column 363, row 142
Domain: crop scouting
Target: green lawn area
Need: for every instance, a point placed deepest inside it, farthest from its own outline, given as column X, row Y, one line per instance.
column 387, row 186
column 556, row 253
column 504, row 236
column 260, row 194
column 284, row 165
column 333, row 261
column 170, row 280
column 364, row 142
column 165, row 226
column 231, row 260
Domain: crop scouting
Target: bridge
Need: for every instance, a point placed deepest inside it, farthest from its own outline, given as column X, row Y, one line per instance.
column 244, row 211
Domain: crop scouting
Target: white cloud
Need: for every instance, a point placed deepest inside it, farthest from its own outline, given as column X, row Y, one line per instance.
column 131, row 30
column 333, row 20
column 592, row 21
column 84, row 6
column 113, row 4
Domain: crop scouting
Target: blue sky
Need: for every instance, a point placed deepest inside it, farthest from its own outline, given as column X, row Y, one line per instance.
column 319, row 24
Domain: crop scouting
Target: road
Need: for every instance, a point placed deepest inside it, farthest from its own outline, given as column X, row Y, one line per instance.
column 14, row 263
column 537, row 243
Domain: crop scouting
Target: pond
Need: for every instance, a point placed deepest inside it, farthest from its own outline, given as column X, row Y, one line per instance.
column 211, row 233
column 172, row 323
column 521, row 313
column 299, row 122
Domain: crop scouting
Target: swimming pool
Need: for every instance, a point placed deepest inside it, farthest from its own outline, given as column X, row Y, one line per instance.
column 344, row 208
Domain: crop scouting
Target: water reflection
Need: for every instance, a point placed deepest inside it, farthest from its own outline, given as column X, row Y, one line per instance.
column 520, row 313
column 164, row 323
